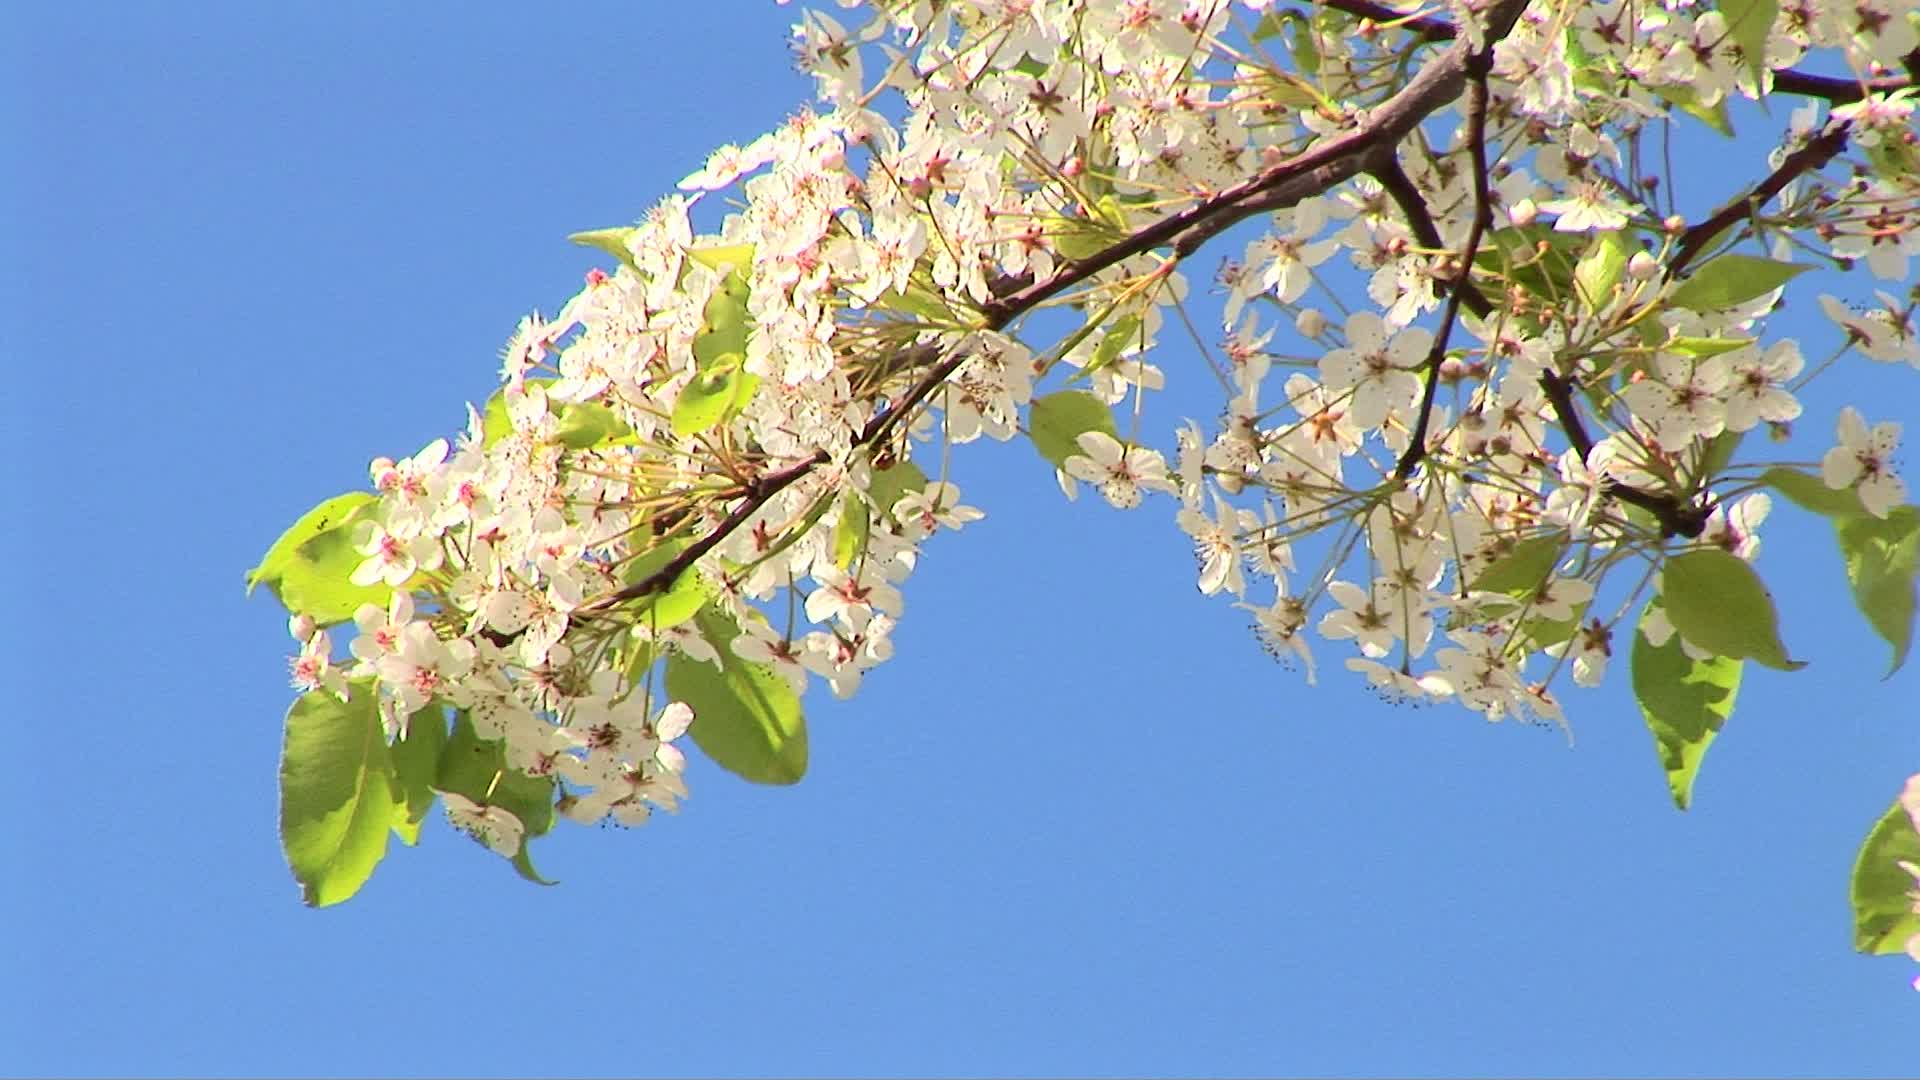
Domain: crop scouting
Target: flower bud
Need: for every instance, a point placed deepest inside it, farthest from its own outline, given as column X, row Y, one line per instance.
column 1674, row 224
column 1523, row 212
column 1310, row 323
column 1643, row 266
column 302, row 628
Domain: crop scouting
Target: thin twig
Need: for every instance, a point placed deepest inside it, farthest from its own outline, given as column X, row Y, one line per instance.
column 1462, row 283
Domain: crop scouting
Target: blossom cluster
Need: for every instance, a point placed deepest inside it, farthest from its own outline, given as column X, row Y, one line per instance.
column 716, row 451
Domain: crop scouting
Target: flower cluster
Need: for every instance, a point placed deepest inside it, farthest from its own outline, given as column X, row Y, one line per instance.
column 713, row 458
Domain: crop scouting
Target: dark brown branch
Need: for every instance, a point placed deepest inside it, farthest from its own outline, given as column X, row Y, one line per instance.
column 1818, row 151
column 1424, row 25
column 1676, row 517
column 1833, row 89
column 1462, row 285
column 1440, row 81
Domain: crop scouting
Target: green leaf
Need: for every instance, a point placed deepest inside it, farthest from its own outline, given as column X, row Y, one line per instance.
column 1685, row 702
column 477, row 768
column 1687, row 101
column 309, row 566
column 1524, row 568
column 890, row 483
column 706, row 400
column 1056, row 422
column 725, row 329
column 1883, row 915
column 611, row 241
column 337, row 797
column 727, row 258
column 1749, row 22
column 1883, row 560
column 416, row 764
column 1732, row 280
column 1700, row 348
column 1717, row 602
column 585, row 424
column 1124, row 333
column 1600, row 269
column 1719, row 451
column 745, row 716
column 1811, row 493
column 851, row 531
column 1882, row 555
column 1517, row 251
column 676, row 603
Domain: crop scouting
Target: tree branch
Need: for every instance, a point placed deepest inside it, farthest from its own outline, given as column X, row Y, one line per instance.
column 1462, row 285
column 1312, row 172
column 1818, row 151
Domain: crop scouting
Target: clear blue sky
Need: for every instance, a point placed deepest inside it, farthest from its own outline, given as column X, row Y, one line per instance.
column 1080, row 825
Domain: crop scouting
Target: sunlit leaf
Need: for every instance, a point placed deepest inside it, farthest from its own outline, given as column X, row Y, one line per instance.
column 1057, row 421
column 309, row 566
column 890, row 483
column 1882, row 555
column 707, row 398
column 851, row 531
column 416, row 765
column 1883, row 915
column 673, row 605
column 745, row 716
column 337, row 798
column 611, row 241
column 1685, row 702
column 1883, row 558
column 1600, row 269
column 1749, row 22
column 586, row 424
column 1524, row 568
column 1717, row 602
column 1731, row 280
column 1700, row 348
column 477, row 768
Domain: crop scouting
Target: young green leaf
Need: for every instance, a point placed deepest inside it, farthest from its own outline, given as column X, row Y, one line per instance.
column 706, row 400
column 1732, row 280
column 309, row 566
column 1883, row 912
column 337, row 797
column 1811, row 493
column 1882, row 555
column 1717, row 602
column 1749, row 22
column 1524, row 568
column 585, row 424
column 1599, row 270
column 676, row 603
column 851, row 531
column 1883, row 562
column 726, row 258
column 745, row 716
column 416, row 764
column 477, row 768
column 611, row 241
column 1700, row 348
column 890, row 483
column 1685, row 702
column 1056, row 422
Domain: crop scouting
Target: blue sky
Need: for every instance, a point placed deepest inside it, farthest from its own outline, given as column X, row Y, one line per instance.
column 1080, row 825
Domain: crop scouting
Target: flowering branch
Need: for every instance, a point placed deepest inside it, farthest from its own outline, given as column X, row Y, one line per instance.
column 1462, row 286
column 1814, row 155
column 1285, row 184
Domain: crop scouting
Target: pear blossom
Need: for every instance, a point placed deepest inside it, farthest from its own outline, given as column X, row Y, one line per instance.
column 1864, row 462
